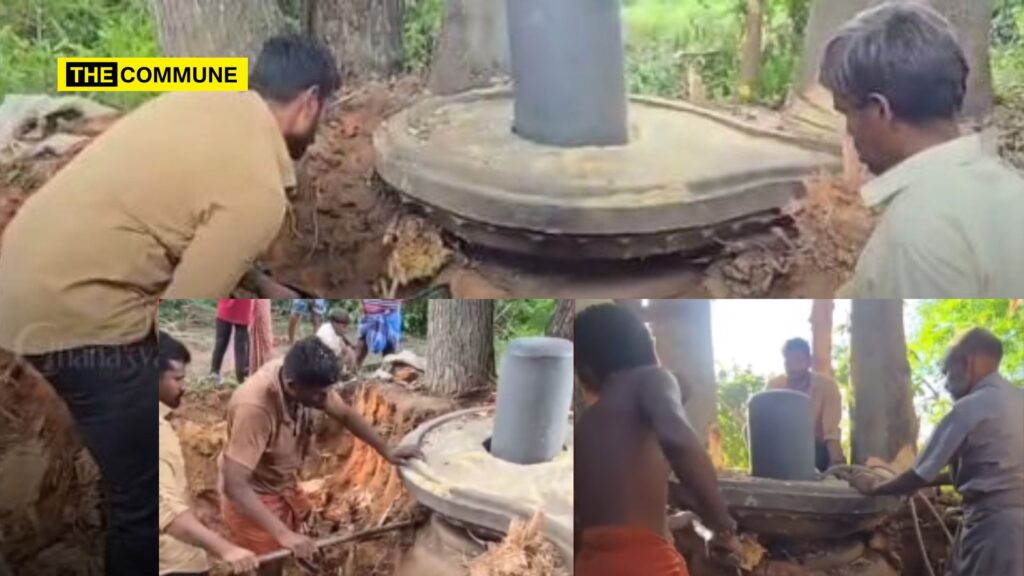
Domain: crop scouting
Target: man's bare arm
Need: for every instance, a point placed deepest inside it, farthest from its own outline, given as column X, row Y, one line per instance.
column 660, row 399
column 835, row 452
column 238, row 487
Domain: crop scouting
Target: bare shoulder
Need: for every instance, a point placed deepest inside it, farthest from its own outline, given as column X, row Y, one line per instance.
column 826, row 382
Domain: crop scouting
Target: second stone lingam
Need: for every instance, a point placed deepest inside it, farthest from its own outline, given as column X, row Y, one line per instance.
column 485, row 467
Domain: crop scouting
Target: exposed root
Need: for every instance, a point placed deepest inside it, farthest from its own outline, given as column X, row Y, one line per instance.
column 524, row 552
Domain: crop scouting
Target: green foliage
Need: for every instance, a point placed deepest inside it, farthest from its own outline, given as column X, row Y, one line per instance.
column 34, row 33
column 735, row 387
column 518, row 318
column 420, row 29
column 665, row 36
column 1008, row 50
column 937, row 322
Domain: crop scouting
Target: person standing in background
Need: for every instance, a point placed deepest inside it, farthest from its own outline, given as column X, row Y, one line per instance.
column 380, row 328
column 826, row 402
column 261, row 335
column 314, row 308
column 233, row 316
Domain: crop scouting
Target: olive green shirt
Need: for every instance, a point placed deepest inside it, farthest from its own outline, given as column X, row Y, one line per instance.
column 175, row 200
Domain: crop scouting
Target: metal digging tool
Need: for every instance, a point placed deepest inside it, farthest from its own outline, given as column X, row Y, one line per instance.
column 343, row 538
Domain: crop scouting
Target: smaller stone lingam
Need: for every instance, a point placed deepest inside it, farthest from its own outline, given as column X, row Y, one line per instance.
column 487, row 466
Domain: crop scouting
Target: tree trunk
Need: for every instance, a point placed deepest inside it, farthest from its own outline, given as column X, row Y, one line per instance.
column 682, row 334
column 365, row 36
column 750, row 61
column 812, row 104
column 884, row 422
column 560, row 325
column 821, row 335
column 472, row 48
column 216, row 27
column 973, row 21
column 460, row 346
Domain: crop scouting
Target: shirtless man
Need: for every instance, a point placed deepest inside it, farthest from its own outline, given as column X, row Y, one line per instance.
column 632, row 434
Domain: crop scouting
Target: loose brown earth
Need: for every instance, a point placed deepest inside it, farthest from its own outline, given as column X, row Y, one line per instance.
column 336, row 237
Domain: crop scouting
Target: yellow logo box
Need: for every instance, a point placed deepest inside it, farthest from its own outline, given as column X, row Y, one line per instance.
column 152, row 74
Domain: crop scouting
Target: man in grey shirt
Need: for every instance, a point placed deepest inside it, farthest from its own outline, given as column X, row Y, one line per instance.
column 982, row 440
column 951, row 213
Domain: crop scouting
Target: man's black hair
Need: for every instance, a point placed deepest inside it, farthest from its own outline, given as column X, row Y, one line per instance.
column 171, row 350
column 289, row 65
column 311, row 364
column 905, row 51
column 340, row 316
column 796, row 345
column 977, row 341
column 610, row 338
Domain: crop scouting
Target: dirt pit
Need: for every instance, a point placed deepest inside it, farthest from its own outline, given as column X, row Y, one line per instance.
column 51, row 523
column 351, row 486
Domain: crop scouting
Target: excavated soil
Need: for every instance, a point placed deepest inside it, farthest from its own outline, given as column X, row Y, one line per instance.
column 347, row 231
column 51, row 522
column 350, row 485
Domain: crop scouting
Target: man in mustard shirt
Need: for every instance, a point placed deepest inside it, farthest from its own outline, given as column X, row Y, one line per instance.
column 184, row 540
column 826, row 402
column 176, row 200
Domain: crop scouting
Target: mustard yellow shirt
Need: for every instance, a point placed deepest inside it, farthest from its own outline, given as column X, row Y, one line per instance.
column 175, row 555
column 826, row 404
column 175, row 200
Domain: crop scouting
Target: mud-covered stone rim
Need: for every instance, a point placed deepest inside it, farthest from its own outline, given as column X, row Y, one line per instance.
column 476, row 507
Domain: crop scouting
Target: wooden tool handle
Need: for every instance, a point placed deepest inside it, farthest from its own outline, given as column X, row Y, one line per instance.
column 342, row 538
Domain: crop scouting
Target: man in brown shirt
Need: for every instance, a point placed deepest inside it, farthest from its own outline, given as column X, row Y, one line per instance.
column 826, row 402
column 176, row 200
column 184, row 540
column 269, row 434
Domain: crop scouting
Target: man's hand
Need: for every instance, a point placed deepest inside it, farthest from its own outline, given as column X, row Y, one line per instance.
column 266, row 287
column 301, row 546
column 242, row 561
column 400, row 455
column 728, row 548
column 864, row 483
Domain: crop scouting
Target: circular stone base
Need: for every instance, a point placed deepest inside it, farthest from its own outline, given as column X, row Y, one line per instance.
column 687, row 176
column 826, row 509
column 460, row 479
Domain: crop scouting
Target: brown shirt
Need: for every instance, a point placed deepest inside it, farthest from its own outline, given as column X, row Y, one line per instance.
column 265, row 434
column 826, row 404
column 176, row 200
column 175, row 555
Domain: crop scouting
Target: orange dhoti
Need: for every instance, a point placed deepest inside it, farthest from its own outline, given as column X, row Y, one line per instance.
column 291, row 506
column 627, row 551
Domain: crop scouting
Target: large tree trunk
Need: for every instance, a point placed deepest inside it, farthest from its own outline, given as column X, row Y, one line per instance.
column 472, row 48
column 750, row 60
column 682, row 334
column 560, row 324
column 821, row 336
column 460, row 347
column 365, row 36
column 216, row 27
column 809, row 102
column 884, row 422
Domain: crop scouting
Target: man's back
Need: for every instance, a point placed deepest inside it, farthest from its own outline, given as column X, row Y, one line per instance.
column 621, row 475
column 87, row 256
